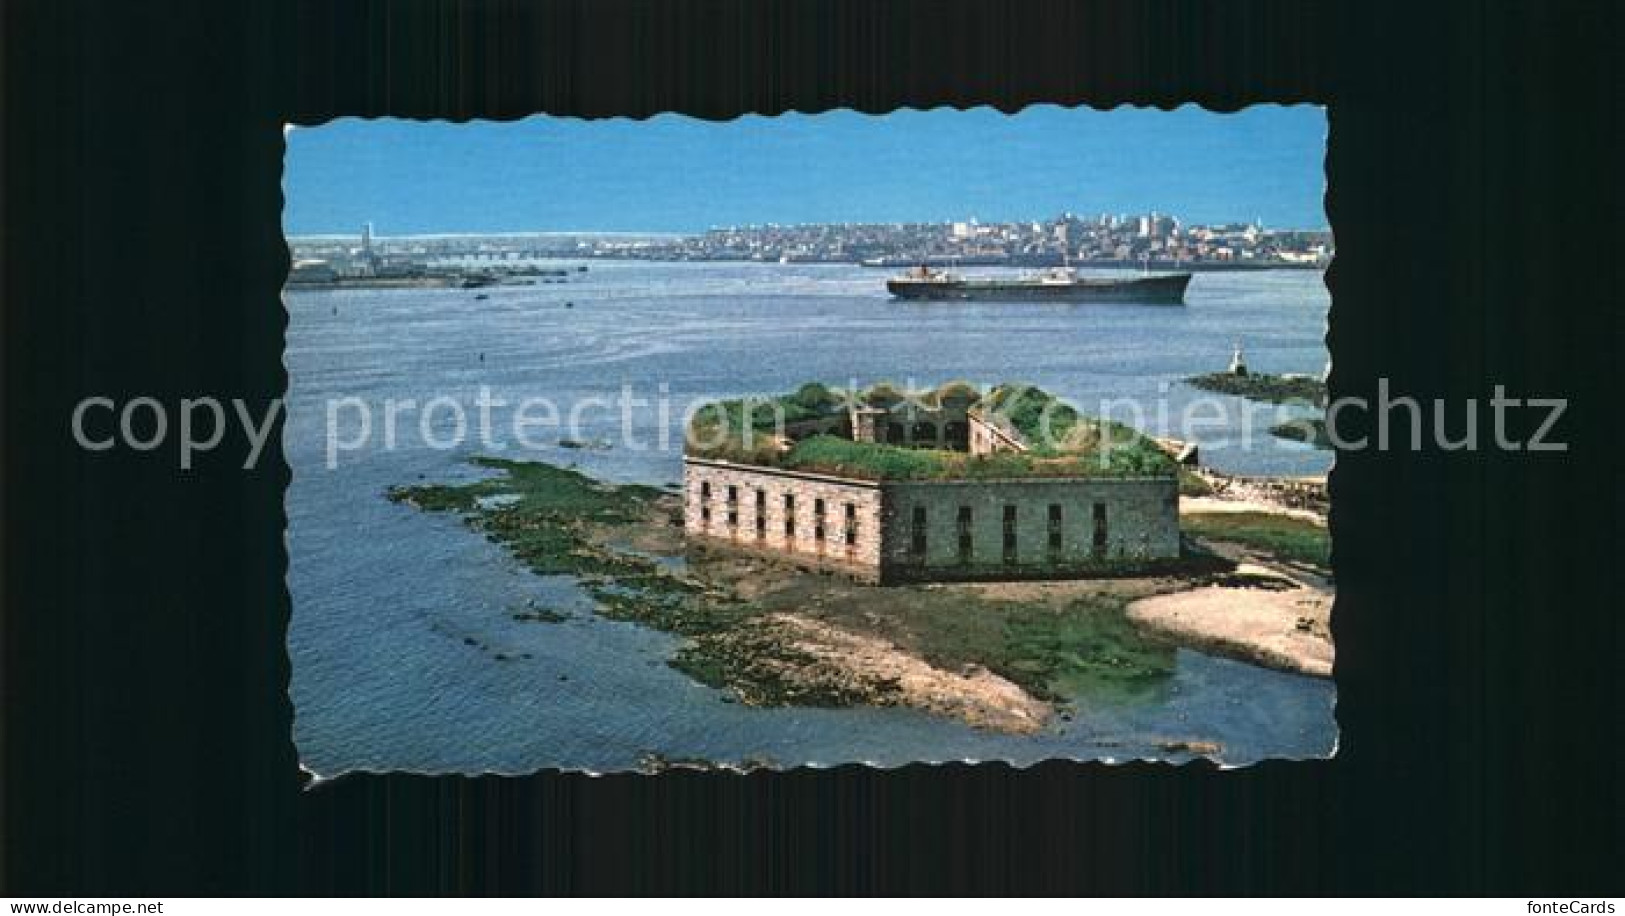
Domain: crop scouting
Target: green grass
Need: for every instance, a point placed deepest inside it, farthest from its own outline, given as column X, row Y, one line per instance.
column 874, row 461
column 1192, row 484
column 1062, row 442
column 1041, row 418
column 543, row 525
column 835, row 455
column 1083, row 649
column 1089, row 649
column 1282, row 536
column 764, row 414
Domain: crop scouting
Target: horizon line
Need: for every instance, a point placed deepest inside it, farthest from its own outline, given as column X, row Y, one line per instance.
column 668, row 233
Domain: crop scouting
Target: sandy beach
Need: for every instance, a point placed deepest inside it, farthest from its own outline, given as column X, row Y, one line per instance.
column 1284, row 628
column 1270, row 613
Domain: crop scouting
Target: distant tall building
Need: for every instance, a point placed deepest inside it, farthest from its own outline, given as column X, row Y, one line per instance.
column 366, row 238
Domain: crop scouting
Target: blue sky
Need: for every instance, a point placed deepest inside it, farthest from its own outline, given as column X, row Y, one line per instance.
column 677, row 174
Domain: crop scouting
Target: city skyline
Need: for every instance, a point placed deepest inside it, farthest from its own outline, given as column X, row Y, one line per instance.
column 1083, row 214
column 679, row 175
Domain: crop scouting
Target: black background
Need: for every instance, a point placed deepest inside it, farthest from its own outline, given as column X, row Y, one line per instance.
column 1473, row 193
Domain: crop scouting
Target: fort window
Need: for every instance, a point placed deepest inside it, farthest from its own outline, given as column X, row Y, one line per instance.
column 761, row 513
column 1098, row 545
column 916, row 544
column 1055, row 528
column 895, row 433
column 925, row 432
column 851, row 525
column 966, row 538
column 733, row 507
column 1009, row 534
column 790, row 515
column 818, row 519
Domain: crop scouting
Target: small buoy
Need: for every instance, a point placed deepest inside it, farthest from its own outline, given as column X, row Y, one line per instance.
column 569, row 305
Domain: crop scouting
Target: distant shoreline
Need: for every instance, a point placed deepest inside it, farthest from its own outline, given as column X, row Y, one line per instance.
column 457, row 281
column 378, row 283
column 899, row 262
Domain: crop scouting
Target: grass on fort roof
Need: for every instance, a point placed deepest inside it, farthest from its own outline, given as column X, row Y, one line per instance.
column 1063, row 442
column 874, row 461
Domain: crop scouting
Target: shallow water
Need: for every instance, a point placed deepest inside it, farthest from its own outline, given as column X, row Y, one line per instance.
column 405, row 654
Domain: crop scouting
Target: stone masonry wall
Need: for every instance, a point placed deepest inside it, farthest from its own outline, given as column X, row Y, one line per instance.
column 1099, row 521
column 1095, row 521
column 754, row 514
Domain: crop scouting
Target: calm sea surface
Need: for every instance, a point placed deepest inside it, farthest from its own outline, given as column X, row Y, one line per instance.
column 405, row 655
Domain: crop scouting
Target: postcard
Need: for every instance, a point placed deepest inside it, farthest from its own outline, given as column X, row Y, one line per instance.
column 809, row 440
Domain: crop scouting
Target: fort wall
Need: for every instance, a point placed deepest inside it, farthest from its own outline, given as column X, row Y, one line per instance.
column 1025, row 527
column 829, row 522
column 933, row 529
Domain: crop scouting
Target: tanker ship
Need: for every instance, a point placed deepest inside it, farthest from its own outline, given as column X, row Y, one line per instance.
column 1059, row 285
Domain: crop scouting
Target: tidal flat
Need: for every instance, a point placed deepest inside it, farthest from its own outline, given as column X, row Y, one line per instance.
column 1001, row 656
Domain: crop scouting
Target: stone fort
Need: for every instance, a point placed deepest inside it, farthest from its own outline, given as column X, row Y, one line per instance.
column 890, row 487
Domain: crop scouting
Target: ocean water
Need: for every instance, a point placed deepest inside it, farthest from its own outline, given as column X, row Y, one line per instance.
column 404, row 652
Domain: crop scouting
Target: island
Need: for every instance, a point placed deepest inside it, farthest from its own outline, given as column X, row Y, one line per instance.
column 1299, row 389
column 1262, row 386
column 993, row 557
column 1309, row 430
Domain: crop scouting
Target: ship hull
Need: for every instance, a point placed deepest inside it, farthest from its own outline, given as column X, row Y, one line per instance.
column 1165, row 289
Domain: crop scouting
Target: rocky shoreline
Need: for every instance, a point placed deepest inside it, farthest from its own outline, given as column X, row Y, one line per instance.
column 1001, row 656
column 1291, row 495
column 1261, row 386
column 1005, row 656
column 1308, row 430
